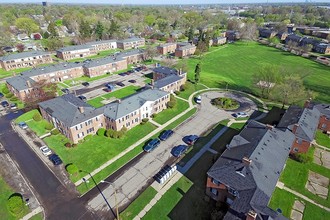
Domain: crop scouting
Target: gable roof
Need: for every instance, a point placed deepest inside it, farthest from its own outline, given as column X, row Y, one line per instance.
column 166, row 81
column 132, row 103
column 324, row 109
column 66, row 109
column 165, row 70
column 128, row 40
column 268, row 149
column 20, row 82
column 23, row 55
column 75, row 47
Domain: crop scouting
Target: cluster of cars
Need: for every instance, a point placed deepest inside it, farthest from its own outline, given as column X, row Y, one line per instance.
column 6, row 104
column 54, row 158
column 177, row 151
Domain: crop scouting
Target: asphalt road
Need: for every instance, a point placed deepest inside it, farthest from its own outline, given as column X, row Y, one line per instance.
column 58, row 202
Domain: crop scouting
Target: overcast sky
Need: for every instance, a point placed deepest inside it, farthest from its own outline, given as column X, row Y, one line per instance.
column 159, row 1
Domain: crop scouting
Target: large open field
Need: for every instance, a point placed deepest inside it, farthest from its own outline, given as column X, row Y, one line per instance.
column 236, row 63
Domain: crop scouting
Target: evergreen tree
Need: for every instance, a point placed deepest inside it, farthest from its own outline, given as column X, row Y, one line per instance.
column 99, row 30
column 197, row 73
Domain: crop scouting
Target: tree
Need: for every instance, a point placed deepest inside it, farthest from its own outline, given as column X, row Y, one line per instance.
column 99, row 30
column 114, row 27
column 27, row 24
column 266, row 78
column 183, row 65
column 150, row 52
column 52, row 29
column 197, row 73
column 190, row 34
column 291, row 90
column 15, row 204
column 306, row 48
column 20, row 47
column 85, row 29
column 54, row 43
column 150, row 20
column 249, row 31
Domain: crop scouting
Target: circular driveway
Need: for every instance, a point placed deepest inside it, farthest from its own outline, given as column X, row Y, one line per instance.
column 133, row 180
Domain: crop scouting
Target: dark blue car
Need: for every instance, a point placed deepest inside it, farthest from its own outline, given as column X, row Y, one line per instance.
column 1, row 95
column 191, row 139
column 151, row 145
column 166, row 134
column 179, row 150
column 55, row 159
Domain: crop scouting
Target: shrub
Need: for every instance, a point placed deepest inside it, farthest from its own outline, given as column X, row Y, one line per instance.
column 37, row 116
column 13, row 99
column 9, row 95
column 55, row 132
column 101, row 132
column 154, row 115
column 15, row 204
column 49, row 126
column 184, row 87
column 74, row 145
column 109, row 133
column 304, row 157
column 171, row 104
column 124, row 130
column 68, row 144
column 177, row 92
column 145, row 120
column 5, row 90
column 72, row 169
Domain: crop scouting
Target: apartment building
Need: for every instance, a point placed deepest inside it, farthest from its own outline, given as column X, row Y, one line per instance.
column 168, row 79
column 98, row 46
column 166, row 48
column 76, row 119
column 25, row 59
column 245, row 175
column 132, row 56
column 130, row 43
column 185, row 51
column 22, row 87
column 103, row 66
column 219, row 41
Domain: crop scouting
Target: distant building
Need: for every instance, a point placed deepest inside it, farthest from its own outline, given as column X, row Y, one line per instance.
column 168, row 79
column 167, row 48
column 186, row 50
column 130, row 43
column 45, row 4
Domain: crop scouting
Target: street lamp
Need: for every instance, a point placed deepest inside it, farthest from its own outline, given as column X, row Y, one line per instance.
column 115, row 190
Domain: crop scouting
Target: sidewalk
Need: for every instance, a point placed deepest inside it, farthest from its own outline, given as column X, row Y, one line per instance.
column 320, row 146
column 281, row 185
column 33, row 213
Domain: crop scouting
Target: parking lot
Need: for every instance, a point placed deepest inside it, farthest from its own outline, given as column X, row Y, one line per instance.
column 132, row 181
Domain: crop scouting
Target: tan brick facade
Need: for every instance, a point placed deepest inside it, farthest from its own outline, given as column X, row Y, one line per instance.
column 60, row 75
column 166, row 48
column 105, row 68
column 185, row 51
column 74, row 54
column 30, row 61
column 130, row 43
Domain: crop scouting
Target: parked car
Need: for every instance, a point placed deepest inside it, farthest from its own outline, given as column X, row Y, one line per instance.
column 138, row 69
column 191, row 139
column 179, row 150
column 23, row 125
column 66, row 91
column 240, row 115
column 45, row 150
column 83, row 98
column 122, row 74
column 165, row 135
column 132, row 81
column 85, row 83
column 55, row 159
column 1, row 95
column 130, row 71
column 4, row 104
column 120, row 84
column 151, row 145
column 13, row 106
column 198, row 99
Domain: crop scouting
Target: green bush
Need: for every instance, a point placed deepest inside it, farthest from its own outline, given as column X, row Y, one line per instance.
column 101, row 132
column 5, row 90
column 13, row 99
column 72, row 169
column 110, row 133
column 304, row 157
column 37, row 116
column 55, row 132
column 15, row 204
column 184, row 87
column 9, row 95
column 145, row 120
column 171, row 104
column 177, row 92
column 49, row 126
column 154, row 115
column 225, row 103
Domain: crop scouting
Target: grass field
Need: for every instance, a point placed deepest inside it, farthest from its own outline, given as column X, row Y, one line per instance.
column 169, row 113
column 37, row 126
column 322, row 139
column 237, row 63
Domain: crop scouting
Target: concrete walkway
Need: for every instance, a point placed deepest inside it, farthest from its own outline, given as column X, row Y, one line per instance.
column 281, row 185
column 320, row 146
column 33, row 213
column 155, row 123
column 162, row 189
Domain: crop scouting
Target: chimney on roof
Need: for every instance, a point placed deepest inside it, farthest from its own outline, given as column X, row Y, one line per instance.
column 307, row 103
column 294, row 129
column 152, row 83
column 246, row 161
column 269, row 127
column 28, row 83
column 251, row 215
column 81, row 109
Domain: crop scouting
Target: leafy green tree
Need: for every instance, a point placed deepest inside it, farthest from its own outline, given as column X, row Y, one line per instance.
column 54, row 43
column 15, row 204
column 114, row 27
column 150, row 20
column 52, row 29
column 27, row 24
column 190, row 34
column 99, row 29
column 266, row 78
column 85, row 29
column 197, row 73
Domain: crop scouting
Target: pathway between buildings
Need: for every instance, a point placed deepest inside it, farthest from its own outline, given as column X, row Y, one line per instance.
column 282, row 186
column 320, row 146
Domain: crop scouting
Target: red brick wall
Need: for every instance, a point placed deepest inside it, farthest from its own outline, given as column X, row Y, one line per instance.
column 300, row 146
column 324, row 123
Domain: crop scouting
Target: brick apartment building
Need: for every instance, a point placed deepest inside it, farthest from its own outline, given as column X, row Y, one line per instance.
column 324, row 122
column 184, row 51
column 245, row 175
column 130, row 43
column 219, row 41
column 104, row 65
column 166, row 48
column 76, row 119
column 25, row 59
column 168, row 79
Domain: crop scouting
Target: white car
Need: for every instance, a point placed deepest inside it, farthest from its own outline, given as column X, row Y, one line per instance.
column 45, row 150
column 240, row 115
column 198, row 99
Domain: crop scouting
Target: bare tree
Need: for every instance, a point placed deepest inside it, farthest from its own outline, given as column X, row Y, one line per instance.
column 150, row 52
column 249, row 31
column 266, row 79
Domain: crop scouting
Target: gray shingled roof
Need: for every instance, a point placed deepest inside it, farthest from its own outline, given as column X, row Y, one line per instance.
column 51, row 68
column 165, row 70
column 75, row 47
column 102, row 61
column 166, row 44
column 324, row 109
column 65, row 109
column 19, row 82
column 166, row 81
column 132, row 103
column 186, row 47
column 306, row 119
column 268, row 148
column 100, row 42
column 23, row 55
column 130, row 40
column 129, row 53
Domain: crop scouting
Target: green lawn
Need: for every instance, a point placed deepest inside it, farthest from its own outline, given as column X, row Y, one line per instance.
column 295, row 176
column 168, row 201
column 283, row 200
column 322, row 139
column 97, row 150
column 137, row 205
column 169, row 113
column 120, row 93
column 5, row 193
column 190, row 88
column 101, row 54
column 4, row 73
column 37, row 126
column 236, row 65
column 237, row 126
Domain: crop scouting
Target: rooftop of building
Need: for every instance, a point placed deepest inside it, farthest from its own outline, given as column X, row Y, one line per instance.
column 22, row 55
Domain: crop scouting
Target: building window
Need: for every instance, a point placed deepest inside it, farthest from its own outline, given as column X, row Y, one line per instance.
column 216, row 182
column 295, row 149
column 214, row 191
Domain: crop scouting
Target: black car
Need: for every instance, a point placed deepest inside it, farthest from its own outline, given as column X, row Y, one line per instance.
column 130, row 71
column 55, row 159
column 83, row 98
column 191, row 139
column 132, row 81
column 120, row 84
column 165, row 135
column 66, row 91
column 122, row 74
column 85, row 83
column 1, row 95
column 4, row 104
column 151, row 145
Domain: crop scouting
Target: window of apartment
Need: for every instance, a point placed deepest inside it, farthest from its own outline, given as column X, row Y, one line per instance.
column 97, row 118
column 81, row 126
column 135, row 113
column 136, row 120
column 90, row 121
column 127, row 117
column 295, row 149
column 214, row 191
column 216, row 182
column 119, row 120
